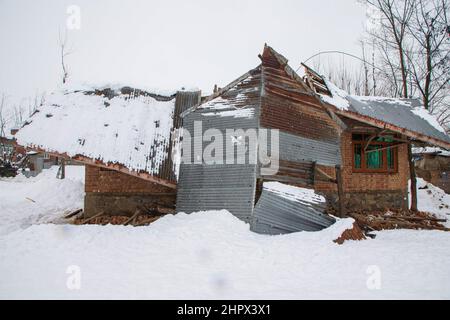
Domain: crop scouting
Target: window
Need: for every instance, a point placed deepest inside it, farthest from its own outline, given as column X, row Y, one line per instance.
column 378, row 155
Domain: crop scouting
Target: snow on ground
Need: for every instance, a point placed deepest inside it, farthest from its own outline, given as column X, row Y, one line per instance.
column 204, row 255
column 433, row 199
column 26, row 201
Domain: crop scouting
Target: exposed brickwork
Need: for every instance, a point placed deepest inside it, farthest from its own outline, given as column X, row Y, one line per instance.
column 123, row 203
column 368, row 190
column 104, row 180
column 117, row 193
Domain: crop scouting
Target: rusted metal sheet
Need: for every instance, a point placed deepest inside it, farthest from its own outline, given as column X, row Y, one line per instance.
column 289, row 209
column 297, row 173
column 288, row 107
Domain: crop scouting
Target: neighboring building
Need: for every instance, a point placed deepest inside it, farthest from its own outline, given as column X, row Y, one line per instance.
column 335, row 150
column 320, row 127
column 124, row 136
column 35, row 162
column 433, row 165
column 11, row 155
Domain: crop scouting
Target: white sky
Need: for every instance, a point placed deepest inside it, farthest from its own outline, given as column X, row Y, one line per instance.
column 165, row 44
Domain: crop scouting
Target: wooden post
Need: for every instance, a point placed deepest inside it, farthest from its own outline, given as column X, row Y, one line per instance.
column 342, row 212
column 412, row 174
column 63, row 168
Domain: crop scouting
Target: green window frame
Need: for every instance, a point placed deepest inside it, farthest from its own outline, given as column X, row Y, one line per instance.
column 383, row 159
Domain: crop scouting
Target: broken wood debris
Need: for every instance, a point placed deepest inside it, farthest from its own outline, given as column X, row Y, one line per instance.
column 398, row 219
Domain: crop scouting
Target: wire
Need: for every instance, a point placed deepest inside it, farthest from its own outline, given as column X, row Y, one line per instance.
column 341, row 52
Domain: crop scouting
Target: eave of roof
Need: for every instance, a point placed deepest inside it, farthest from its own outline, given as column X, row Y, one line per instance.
column 385, row 125
column 112, row 166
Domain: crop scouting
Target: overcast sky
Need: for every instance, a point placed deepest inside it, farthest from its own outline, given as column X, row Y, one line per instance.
column 165, row 44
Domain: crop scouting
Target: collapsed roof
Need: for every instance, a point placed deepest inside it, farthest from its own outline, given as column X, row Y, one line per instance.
column 123, row 128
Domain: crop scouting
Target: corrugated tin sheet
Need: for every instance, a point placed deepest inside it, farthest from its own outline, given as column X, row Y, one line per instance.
column 398, row 112
column 278, row 212
column 206, row 186
column 297, row 148
column 214, row 187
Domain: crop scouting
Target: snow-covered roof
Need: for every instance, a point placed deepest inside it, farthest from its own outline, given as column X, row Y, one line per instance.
column 409, row 114
column 431, row 150
column 114, row 125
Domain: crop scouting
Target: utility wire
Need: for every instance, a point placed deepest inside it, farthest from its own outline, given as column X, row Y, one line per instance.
column 341, row 52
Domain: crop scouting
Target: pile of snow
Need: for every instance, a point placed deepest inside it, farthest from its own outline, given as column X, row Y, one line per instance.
column 132, row 131
column 338, row 96
column 27, row 201
column 204, row 255
column 213, row 255
column 431, row 150
column 432, row 199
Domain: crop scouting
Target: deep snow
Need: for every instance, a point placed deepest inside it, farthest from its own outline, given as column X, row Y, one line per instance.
column 202, row 255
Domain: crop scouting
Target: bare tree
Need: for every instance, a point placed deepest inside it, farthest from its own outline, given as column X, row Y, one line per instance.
column 64, row 52
column 429, row 56
column 393, row 19
column 3, row 125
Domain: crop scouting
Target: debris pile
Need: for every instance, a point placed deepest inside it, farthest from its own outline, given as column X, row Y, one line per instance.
column 398, row 219
column 354, row 233
column 139, row 218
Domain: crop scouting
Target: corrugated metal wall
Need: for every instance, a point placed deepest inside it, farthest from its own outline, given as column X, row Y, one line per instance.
column 205, row 186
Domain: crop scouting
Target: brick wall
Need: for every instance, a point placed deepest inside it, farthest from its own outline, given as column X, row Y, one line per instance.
column 104, row 180
column 372, row 181
column 117, row 193
column 368, row 190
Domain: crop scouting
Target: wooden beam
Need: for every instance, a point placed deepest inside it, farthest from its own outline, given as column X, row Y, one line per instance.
column 371, row 139
column 385, row 148
column 340, row 186
column 288, row 179
column 93, row 217
column 324, row 174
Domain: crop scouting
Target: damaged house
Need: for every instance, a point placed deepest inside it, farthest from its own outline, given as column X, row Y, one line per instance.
column 317, row 148
column 334, row 149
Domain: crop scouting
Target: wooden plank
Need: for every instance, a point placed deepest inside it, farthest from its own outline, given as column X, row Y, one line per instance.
column 300, row 181
column 324, row 174
column 136, row 213
column 92, row 218
column 385, row 148
column 339, row 181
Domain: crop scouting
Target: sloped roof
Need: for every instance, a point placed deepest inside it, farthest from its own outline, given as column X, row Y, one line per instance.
column 405, row 115
column 119, row 127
